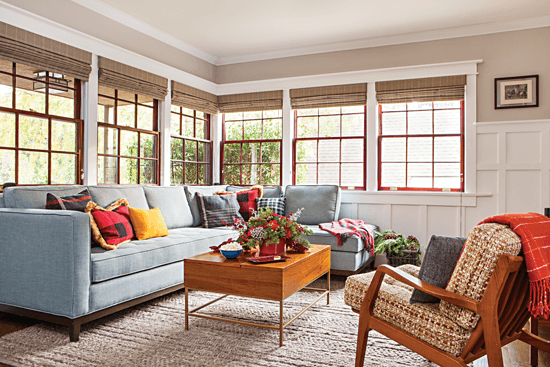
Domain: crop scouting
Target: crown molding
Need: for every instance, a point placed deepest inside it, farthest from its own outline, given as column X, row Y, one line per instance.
column 466, row 31
column 32, row 22
column 434, row 35
column 140, row 26
column 468, row 67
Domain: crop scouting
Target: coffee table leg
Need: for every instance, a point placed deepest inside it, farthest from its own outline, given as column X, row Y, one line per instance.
column 186, row 310
column 281, row 323
column 328, row 287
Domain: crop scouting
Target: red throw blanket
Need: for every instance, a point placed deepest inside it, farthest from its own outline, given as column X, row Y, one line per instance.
column 534, row 231
column 349, row 227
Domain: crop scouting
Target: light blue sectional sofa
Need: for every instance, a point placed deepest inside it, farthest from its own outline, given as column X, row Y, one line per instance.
column 49, row 269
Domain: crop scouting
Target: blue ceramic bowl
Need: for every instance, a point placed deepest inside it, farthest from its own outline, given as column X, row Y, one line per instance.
column 231, row 254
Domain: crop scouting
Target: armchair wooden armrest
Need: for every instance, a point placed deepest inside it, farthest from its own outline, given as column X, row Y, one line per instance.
column 416, row 283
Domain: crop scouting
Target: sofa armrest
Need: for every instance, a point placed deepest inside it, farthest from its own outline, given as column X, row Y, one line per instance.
column 45, row 260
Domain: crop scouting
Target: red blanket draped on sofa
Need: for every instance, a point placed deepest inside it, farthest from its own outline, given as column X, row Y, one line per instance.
column 348, row 228
column 534, row 231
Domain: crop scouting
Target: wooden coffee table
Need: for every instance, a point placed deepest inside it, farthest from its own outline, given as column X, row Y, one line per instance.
column 211, row 272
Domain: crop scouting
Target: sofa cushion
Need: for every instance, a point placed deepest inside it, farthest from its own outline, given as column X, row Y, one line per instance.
column 203, row 190
column 422, row 320
column 321, row 237
column 348, row 261
column 106, row 195
column 172, row 204
column 2, row 204
column 122, row 289
column 268, row 191
column 25, row 197
column 485, row 244
column 136, row 256
column 438, row 265
column 321, row 203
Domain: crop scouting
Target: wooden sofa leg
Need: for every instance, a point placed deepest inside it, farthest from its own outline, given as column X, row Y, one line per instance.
column 74, row 330
column 362, row 338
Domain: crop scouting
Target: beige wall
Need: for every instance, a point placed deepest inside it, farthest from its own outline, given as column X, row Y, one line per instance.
column 504, row 54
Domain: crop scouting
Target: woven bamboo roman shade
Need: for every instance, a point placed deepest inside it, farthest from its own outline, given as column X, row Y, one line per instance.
column 330, row 96
column 19, row 45
column 445, row 88
column 259, row 101
column 193, row 98
column 115, row 75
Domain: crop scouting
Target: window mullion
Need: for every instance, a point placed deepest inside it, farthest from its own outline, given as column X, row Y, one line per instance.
column 407, row 146
column 49, row 150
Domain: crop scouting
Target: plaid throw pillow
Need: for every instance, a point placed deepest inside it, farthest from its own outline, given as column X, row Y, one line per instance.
column 111, row 227
column 76, row 202
column 275, row 204
column 218, row 210
column 246, row 200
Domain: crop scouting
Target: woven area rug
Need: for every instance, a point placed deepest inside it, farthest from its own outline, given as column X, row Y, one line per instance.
column 153, row 334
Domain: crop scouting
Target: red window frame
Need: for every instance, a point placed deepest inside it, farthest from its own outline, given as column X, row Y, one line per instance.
column 341, row 138
column 206, row 162
column 114, row 125
column 226, row 142
column 18, row 113
column 433, row 135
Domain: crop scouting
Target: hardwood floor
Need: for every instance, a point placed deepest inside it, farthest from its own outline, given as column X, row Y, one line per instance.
column 515, row 354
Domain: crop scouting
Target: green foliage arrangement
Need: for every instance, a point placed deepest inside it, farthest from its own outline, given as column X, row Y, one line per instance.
column 268, row 226
column 393, row 244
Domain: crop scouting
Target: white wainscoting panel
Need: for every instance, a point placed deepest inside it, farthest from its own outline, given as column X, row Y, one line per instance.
column 443, row 221
column 487, row 181
column 523, row 191
column 487, row 148
column 410, row 219
column 378, row 214
column 523, row 147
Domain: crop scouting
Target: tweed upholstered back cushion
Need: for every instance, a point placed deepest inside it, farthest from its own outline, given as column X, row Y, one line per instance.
column 485, row 244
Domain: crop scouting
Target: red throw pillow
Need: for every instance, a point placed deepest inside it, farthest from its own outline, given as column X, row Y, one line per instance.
column 246, row 199
column 111, row 227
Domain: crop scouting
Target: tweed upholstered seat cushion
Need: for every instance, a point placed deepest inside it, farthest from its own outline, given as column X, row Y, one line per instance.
column 423, row 320
column 485, row 244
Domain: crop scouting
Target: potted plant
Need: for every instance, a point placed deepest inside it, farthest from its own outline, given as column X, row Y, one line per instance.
column 396, row 248
column 272, row 233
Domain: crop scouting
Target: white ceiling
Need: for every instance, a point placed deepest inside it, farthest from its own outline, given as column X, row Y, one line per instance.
column 240, row 27
column 223, row 31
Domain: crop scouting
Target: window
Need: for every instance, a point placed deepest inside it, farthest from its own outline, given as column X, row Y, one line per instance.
column 421, row 146
column 251, row 150
column 330, row 146
column 191, row 147
column 41, row 137
column 128, row 141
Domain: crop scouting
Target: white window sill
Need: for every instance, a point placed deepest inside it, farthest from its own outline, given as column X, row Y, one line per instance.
column 412, row 197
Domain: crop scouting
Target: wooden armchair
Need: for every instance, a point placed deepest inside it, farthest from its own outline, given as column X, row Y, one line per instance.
column 502, row 314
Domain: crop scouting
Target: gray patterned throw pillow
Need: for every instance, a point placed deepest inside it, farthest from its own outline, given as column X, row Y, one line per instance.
column 218, row 210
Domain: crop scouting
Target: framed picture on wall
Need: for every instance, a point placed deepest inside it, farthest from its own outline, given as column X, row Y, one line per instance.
column 517, row 92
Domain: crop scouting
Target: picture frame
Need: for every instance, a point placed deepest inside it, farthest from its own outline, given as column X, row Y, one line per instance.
column 517, row 92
